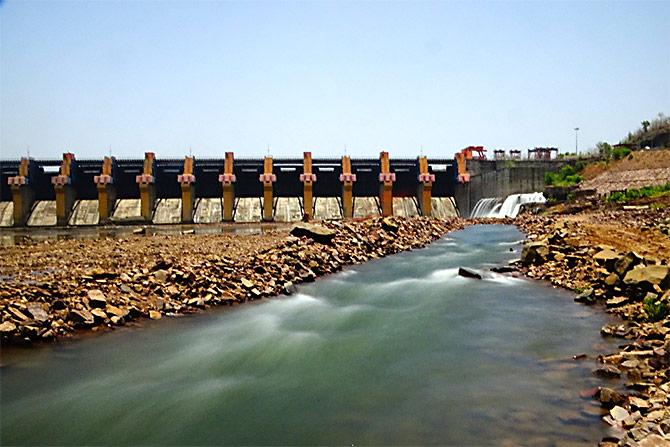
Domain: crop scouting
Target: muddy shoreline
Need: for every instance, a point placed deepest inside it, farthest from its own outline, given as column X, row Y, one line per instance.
column 55, row 289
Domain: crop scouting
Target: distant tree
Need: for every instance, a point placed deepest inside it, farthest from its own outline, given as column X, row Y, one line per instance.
column 604, row 149
column 645, row 125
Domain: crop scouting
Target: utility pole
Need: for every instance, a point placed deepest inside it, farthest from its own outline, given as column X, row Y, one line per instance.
column 576, row 141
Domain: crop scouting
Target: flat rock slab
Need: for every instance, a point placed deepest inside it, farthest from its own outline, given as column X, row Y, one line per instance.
column 315, row 232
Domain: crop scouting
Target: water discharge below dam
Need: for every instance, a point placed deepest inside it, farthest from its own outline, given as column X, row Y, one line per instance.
column 400, row 350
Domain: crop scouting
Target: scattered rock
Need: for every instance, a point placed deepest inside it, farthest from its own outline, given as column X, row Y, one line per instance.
column 468, row 273
column 607, row 371
column 96, row 298
column 649, row 276
column 317, row 233
column 38, row 312
column 81, row 317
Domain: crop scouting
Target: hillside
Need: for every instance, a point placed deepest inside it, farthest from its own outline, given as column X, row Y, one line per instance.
column 640, row 168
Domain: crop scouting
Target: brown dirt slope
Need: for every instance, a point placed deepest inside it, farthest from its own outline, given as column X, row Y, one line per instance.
column 643, row 168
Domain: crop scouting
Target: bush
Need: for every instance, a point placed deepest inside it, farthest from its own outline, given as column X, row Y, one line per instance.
column 656, row 310
column 620, row 152
column 567, row 176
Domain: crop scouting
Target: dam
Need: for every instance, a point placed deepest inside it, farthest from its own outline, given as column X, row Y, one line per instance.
column 74, row 192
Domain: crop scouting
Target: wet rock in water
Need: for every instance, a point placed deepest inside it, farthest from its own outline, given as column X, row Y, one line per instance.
column 647, row 277
column 534, row 253
column 290, row 288
column 468, row 273
column 504, row 269
column 38, row 312
column 608, row 371
column 317, row 233
column 609, row 398
column 586, row 297
column 155, row 315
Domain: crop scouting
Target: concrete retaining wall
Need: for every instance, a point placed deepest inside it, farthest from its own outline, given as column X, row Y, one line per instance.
column 501, row 178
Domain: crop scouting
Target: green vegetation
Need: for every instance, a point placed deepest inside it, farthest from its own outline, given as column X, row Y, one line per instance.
column 660, row 123
column 656, row 310
column 632, row 194
column 567, row 176
column 608, row 152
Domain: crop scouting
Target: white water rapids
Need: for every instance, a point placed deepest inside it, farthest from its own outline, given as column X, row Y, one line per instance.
column 510, row 207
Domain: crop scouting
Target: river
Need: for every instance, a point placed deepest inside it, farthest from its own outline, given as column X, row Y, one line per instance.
column 400, row 350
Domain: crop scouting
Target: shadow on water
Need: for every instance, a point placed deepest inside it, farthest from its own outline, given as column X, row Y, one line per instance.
column 401, row 350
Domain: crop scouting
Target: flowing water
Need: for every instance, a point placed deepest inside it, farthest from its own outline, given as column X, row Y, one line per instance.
column 510, row 207
column 400, row 350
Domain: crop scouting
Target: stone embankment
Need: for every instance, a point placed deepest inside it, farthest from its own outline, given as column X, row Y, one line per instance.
column 631, row 277
column 51, row 289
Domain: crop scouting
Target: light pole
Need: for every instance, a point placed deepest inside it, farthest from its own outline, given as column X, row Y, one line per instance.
column 577, row 141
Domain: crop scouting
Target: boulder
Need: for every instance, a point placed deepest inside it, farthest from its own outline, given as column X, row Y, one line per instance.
column 468, row 273
column 161, row 276
column 99, row 314
column 608, row 371
column 317, row 233
column 96, row 299
column 607, row 258
column 38, row 312
column 619, row 413
column 155, row 315
column 627, row 262
column 609, row 398
column 116, row 311
column 81, row 317
column 534, row 253
column 646, row 277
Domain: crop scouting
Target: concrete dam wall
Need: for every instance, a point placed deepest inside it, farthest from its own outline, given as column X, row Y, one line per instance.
column 249, row 210
column 501, row 178
column 86, row 192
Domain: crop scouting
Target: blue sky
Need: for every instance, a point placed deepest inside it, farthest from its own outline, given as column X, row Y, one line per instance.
column 216, row 76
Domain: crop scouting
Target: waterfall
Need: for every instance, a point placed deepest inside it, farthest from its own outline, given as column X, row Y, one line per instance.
column 487, row 208
column 492, row 207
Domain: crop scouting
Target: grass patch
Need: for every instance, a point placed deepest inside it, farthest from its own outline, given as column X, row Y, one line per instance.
column 632, row 194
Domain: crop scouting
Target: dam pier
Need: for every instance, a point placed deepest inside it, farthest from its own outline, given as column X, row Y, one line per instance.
column 74, row 192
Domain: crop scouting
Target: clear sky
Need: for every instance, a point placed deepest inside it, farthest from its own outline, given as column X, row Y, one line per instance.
column 215, row 76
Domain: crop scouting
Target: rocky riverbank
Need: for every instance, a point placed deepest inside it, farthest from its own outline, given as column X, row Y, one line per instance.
column 52, row 289
column 619, row 258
